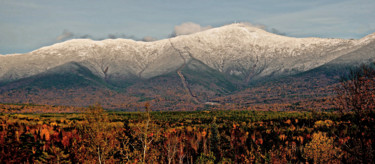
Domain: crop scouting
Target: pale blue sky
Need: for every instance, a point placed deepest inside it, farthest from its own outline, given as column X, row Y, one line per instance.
column 26, row 25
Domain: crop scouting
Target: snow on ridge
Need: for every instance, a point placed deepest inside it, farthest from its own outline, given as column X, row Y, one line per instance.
column 231, row 48
column 9, row 55
column 251, row 32
column 367, row 39
column 258, row 35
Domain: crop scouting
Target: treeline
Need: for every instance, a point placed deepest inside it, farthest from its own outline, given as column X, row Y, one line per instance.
column 31, row 108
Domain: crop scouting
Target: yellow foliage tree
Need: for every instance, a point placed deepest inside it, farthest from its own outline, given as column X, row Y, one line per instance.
column 322, row 150
column 146, row 131
column 99, row 136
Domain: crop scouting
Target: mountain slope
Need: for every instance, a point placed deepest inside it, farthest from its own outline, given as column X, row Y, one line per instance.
column 236, row 50
column 199, row 67
column 70, row 75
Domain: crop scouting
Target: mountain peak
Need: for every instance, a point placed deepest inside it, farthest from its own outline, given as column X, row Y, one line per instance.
column 367, row 39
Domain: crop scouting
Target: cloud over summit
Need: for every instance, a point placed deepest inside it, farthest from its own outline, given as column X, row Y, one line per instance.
column 189, row 28
column 65, row 35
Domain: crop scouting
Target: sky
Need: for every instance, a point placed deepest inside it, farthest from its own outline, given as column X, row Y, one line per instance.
column 26, row 25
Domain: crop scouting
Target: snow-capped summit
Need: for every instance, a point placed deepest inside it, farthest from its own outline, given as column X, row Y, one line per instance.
column 237, row 50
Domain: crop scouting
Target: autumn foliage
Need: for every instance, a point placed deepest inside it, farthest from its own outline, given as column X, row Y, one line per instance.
column 97, row 136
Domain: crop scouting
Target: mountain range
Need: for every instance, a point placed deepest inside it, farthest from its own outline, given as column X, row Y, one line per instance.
column 234, row 66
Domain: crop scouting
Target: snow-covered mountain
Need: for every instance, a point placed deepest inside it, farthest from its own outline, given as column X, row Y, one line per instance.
column 236, row 60
column 235, row 50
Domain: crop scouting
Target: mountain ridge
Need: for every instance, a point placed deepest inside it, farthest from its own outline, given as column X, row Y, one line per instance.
column 198, row 67
column 213, row 47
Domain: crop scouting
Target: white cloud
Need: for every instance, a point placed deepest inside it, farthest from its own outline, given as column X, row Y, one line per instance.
column 65, row 35
column 189, row 28
column 148, row 39
column 254, row 25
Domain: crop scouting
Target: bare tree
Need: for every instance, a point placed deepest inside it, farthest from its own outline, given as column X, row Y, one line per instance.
column 171, row 146
column 98, row 133
column 181, row 151
column 356, row 94
column 146, row 132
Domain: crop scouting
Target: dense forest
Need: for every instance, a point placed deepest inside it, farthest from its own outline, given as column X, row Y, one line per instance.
column 214, row 136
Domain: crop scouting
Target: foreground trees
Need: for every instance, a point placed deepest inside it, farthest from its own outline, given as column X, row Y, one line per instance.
column 356, row 93
column 321, row 149
column 99, row 134
column 146, row 131
column 177, row 137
